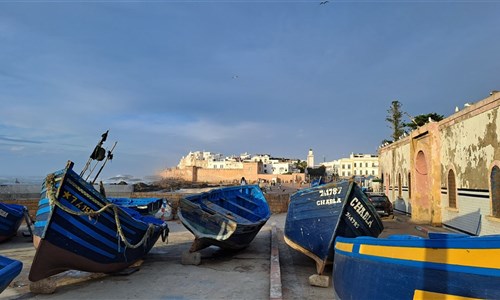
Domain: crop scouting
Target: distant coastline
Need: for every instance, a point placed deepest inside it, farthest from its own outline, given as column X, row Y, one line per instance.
column 37, row 180
column 21, row 180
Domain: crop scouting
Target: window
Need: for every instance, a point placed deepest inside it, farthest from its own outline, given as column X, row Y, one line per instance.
column 366, row 165
column 355, row 165
column 495, row 191
column 399, row 184
column 452, row 190
column 409, row 185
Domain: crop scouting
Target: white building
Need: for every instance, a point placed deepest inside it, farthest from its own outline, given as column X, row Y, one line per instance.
column 210, row 160
column 356, row 165
column 198, row 159
column 264, row 158
column 225, row 164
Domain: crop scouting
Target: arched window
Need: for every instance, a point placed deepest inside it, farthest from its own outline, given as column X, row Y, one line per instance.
column 452, row 190
column 409, row 185
column 495, row 191
column 389, row 185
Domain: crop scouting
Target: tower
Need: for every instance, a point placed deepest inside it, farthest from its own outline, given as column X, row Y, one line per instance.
column 310, row 159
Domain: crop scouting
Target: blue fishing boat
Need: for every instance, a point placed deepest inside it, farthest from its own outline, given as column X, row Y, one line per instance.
column 317, row 181
column 11, row 217
column 9, row 269
column 145, row 206
column 317, row 215
column 442, row 266
column 77, row 228
column 229, row 217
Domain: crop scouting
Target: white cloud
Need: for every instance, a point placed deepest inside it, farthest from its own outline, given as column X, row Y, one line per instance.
column 17, row 148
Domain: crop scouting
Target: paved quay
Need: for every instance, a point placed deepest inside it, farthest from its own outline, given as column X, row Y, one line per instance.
column 247, row 274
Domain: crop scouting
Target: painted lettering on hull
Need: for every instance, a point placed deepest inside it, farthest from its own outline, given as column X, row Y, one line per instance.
column 362, row 212
column 330, row 191
column 351, row 219
column 76, row 202
column 328, row 201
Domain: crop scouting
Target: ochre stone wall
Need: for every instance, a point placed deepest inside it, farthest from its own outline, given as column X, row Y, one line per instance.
column 278, row 203
column 249, row 171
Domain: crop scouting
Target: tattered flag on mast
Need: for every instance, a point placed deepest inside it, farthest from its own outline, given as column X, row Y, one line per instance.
column 98, row 154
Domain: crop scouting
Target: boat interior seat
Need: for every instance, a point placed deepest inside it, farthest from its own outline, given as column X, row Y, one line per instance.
column 215, row 208
column 247, row 200
column 237, row 209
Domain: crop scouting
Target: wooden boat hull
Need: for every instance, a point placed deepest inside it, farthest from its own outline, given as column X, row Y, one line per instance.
column 229, row 218
column 77, row 228
column 9, row 269
column 317, row 215
column 11, row 217
column 405, row 267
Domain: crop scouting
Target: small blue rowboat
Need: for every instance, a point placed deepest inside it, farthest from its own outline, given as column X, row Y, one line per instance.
column 9, row 269
column 443, row 266
column 317, row 215
column 11, row 217
column 229, row 217
column 78, row 228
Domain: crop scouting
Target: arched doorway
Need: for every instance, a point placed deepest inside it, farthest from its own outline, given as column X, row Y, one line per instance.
column 421, row 198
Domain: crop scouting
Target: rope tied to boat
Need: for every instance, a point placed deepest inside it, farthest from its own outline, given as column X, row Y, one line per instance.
column 53, row 201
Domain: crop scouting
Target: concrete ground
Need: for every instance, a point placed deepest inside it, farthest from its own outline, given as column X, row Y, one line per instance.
column 221, row 275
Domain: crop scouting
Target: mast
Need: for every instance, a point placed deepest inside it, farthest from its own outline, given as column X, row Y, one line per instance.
column 98, row 154
column 108, row 157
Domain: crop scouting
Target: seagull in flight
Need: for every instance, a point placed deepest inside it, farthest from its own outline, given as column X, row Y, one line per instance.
column 324, row 2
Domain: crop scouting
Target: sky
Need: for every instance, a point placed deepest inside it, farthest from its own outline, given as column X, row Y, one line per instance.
column 263, row 77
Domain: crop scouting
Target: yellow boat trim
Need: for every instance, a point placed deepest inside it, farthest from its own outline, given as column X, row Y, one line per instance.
column 481, row 258
column 346, row 247
column 421, row 295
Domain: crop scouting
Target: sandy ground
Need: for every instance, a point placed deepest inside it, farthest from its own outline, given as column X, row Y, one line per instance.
column 221, row 275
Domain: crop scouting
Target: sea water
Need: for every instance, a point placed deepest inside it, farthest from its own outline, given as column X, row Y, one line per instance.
column 38, row 180
column 24, row 180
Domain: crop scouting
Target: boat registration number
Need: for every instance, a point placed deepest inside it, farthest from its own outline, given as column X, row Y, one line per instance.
column 330, row 191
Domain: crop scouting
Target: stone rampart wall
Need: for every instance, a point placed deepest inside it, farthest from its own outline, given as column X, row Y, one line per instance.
column 278, row 203
column 249, row 171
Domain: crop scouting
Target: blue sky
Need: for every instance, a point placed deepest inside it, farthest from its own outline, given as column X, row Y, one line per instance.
column 276, row 77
